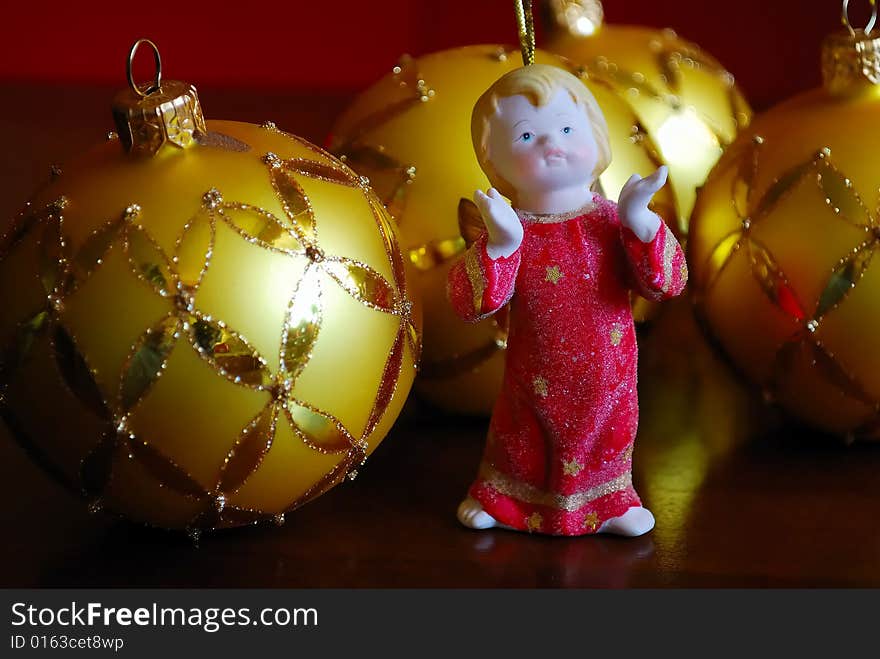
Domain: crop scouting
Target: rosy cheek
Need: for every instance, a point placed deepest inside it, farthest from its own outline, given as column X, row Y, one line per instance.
column 585, row 149
column 586, row 153
column 526, row 162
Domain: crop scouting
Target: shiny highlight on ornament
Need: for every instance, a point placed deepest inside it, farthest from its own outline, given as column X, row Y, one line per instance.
column 684, row 99
column 679, row 133
column 583, row 17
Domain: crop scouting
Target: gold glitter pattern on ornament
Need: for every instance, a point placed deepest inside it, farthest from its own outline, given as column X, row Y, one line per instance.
column 164, row 470
column 402, row 304
column 415, row 91
column 293, row 199
column 221, row 141
column 526, row 493
column 318, row 430
column 21, row 225
column 468, row 361
column 91, row 253
column 301, row 326
column 844, row 277
column 228, row 353
column 54, row 268
column 388, row 176
column 76, row 373
column 18, row 350
column 673, row 59
column 261, row 228
column 362, row 283
column 146, row 259
column 805, row 343
column 772, row 280
column 146, row 361
column 250, row 448
column 322, row 171
column 388, row 384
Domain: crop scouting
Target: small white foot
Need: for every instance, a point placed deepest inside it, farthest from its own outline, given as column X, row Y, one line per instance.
column 472, row 515
column 634, row 522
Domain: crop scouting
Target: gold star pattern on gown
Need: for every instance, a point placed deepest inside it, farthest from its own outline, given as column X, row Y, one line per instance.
column 534, row 522
column 554, row 274
column 591, row 521
column 616, row 334
column 540, row 386
column 571, row 467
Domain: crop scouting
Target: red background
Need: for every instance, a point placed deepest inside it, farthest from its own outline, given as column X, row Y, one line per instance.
column 771, row 46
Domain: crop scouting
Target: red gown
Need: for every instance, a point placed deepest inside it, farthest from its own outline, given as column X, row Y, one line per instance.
column 558, row 456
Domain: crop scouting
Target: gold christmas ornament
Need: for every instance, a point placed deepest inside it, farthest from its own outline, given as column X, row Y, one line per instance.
column 410, row 135
column 783, row 241
column 684, row 99
column 206, row 324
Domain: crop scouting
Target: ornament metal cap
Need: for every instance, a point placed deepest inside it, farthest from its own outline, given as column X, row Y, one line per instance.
column 162, row 113
column 851, row 57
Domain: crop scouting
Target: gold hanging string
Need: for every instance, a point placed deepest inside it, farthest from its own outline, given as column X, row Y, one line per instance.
column 526, row 25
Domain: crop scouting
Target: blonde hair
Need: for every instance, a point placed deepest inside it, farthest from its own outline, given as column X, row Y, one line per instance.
column 538, row 83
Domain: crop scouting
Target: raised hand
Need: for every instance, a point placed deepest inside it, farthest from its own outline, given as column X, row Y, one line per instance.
column 502, row 224
column 632, row 205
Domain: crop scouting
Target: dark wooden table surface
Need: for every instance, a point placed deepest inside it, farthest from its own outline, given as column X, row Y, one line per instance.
column 742, row 497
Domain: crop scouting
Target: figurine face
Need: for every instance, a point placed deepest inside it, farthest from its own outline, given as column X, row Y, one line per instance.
column 542, row 149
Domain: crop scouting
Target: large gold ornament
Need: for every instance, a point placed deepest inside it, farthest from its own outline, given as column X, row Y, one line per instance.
column 207, row 328
column 410, row 134
column 783, row 242
column 685, row 100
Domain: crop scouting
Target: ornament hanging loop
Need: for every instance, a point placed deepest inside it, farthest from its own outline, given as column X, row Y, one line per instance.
column 844, row 17
column 526, row 24
column 157, row 82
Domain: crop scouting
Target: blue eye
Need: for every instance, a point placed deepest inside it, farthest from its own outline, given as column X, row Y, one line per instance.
column 566, row 130
column 525, row 137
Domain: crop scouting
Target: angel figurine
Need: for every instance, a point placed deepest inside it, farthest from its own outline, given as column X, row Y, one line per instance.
column 558, row 456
